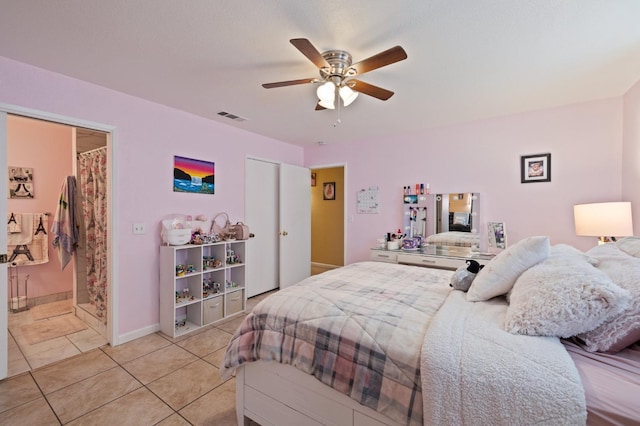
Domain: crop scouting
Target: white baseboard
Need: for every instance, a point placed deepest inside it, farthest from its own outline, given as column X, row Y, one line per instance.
column 136, row 334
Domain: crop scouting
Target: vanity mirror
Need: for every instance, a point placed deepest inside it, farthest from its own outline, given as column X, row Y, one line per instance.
column 456, row 220
column 443, row 219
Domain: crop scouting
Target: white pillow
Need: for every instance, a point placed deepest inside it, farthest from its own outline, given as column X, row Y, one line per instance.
column 564, row 295
column 630, row 245
column 499, row 275
column 624, row 329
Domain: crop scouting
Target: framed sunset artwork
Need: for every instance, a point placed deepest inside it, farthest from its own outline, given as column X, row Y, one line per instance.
column 194, row 176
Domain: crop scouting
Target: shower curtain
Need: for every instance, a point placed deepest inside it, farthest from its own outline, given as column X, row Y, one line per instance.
column 92, row 169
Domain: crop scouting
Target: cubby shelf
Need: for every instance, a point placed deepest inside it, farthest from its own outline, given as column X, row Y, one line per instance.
column 185, row 304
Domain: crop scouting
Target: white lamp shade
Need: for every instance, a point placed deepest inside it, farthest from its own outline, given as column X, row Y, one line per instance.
column 348, row 95
column 603, row 219
column 327, row 95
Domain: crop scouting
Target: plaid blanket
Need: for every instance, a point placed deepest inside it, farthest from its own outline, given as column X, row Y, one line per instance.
column 358, row 329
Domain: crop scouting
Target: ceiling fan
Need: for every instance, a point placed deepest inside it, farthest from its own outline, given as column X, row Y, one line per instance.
column 337, row 74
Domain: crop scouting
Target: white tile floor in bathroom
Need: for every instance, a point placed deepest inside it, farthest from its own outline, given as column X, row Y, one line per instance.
column 25, row 356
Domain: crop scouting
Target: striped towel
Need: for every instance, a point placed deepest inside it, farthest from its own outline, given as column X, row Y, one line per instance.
column 65, row 235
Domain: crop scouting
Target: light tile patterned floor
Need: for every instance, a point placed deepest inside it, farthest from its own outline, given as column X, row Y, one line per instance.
column 24, row 357
column 148, row 381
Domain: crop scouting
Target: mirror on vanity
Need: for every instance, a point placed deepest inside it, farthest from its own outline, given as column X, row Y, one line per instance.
column 444, row 219
column 455, row 220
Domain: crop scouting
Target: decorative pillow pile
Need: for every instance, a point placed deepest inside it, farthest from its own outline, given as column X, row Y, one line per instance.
column 563, row 296
column 623, row 329
column 499, row 275
column 630, row 245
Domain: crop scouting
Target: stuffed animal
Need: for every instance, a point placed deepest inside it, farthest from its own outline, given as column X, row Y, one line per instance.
column 464, row 275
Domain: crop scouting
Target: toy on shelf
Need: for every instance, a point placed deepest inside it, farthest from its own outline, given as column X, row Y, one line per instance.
column 232, row 257
column 181, row 324
column 184, row 296
column 180, row 270
column 210, row 262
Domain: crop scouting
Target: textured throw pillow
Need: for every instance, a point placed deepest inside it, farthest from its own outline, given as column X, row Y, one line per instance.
column 623, row 329
column 499, row 275
column 630, row 245
column 564, row 295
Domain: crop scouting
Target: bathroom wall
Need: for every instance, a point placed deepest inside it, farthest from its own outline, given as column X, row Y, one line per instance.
column 46, row 147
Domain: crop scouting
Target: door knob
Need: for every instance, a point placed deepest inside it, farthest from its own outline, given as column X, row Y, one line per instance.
column 284, row 233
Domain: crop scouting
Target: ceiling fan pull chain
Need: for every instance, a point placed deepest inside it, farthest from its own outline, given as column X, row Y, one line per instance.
column 338, row 108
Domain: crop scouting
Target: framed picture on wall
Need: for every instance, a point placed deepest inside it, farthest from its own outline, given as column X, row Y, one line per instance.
column 194, row 176
column 329, row 191
column 535, row 168
column 20, row 182
column 313, row 179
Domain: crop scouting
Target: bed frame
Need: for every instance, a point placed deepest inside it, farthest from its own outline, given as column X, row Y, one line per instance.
column 273, row 394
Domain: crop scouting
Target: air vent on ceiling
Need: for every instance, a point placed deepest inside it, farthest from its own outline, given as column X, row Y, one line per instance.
column 232, row 116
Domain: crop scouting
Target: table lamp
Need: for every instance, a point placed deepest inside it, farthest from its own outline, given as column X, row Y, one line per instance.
column 603, row 220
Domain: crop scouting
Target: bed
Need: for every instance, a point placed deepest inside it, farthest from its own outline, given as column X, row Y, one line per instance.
column 384, row 344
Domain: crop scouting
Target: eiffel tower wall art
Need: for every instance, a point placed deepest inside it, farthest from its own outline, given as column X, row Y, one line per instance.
column 20, row 182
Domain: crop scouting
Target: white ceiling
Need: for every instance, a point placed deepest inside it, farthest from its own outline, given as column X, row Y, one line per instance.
column 467, row 59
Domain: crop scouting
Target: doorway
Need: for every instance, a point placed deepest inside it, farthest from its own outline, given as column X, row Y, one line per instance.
column 327, row 218
column 52, row 292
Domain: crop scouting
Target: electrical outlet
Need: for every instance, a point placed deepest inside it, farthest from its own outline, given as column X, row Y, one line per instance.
column 138, row 228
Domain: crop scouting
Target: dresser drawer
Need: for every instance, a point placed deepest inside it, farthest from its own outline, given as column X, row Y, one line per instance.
column 213, row 309
column 431, row 261
column 234, row 302
column 383, row 256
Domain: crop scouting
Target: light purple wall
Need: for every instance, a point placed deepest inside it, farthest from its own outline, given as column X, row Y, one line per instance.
column 585, row 142
column 148, row 136
column 631, row 153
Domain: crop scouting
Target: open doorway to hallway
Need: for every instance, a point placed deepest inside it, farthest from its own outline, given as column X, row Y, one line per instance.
column 327, row 218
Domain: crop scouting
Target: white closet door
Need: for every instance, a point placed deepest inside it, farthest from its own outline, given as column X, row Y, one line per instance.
column 295, row 224
column 261, row 215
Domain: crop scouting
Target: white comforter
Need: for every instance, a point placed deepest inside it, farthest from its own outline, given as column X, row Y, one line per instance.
column 475, row 373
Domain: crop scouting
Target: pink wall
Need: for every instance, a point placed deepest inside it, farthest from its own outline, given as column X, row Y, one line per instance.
column 47, row 148
column 585, row 142
column 631, row 153
column 148, row 135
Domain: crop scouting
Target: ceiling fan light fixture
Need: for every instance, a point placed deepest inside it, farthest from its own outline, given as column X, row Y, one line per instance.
column 327, row 95
column 348, row 95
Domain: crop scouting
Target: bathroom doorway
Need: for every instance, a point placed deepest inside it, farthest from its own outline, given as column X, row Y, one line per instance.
column 58, row 294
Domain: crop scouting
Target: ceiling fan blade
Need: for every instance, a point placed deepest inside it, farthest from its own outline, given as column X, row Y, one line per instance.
column 308, row 50
column 389, row 56
column 289, row 83
column 319, row 107
column 370, row 89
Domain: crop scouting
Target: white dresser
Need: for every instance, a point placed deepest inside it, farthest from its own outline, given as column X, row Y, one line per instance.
column 441, row 257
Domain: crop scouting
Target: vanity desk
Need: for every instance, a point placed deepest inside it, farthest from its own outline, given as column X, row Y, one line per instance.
column 441, row 257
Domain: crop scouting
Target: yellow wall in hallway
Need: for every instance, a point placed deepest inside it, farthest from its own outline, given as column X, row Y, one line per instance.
column 327, row 218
